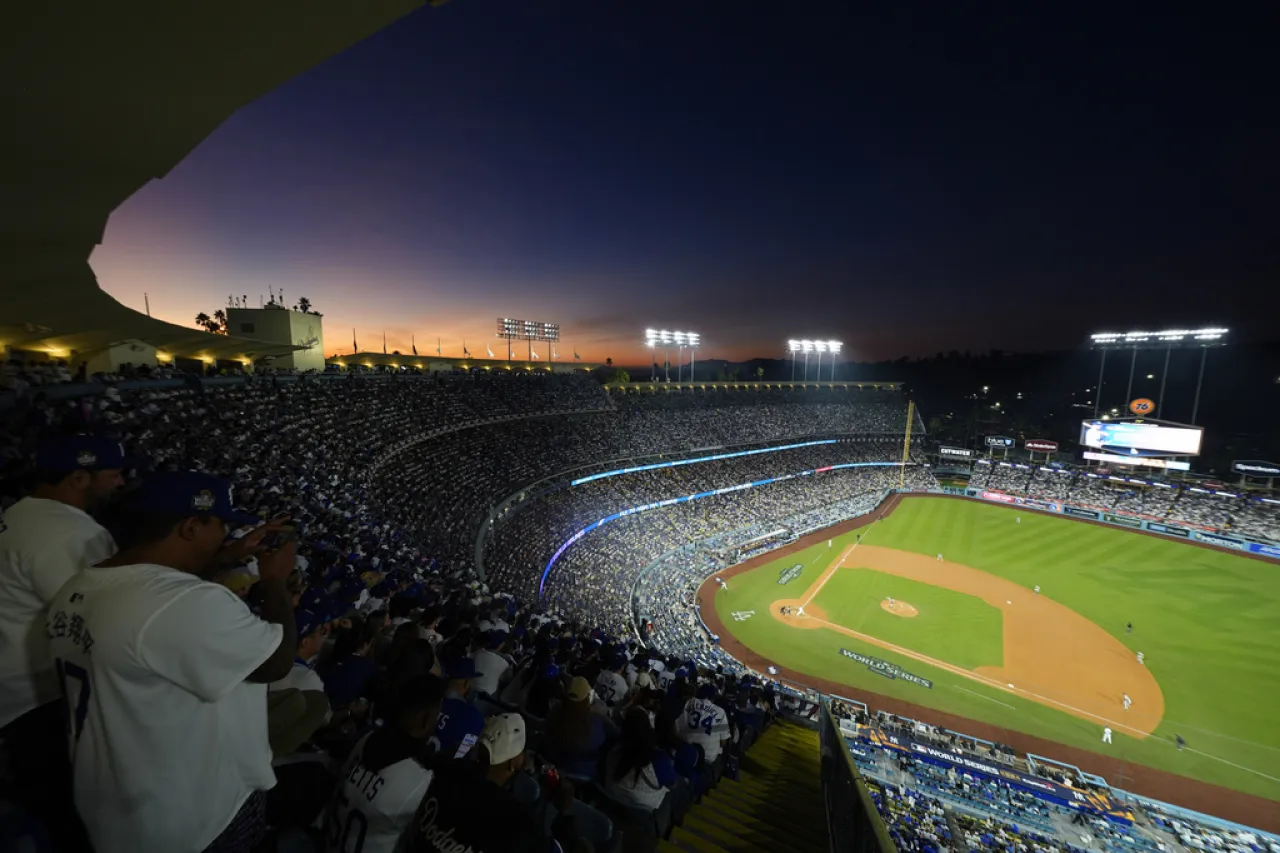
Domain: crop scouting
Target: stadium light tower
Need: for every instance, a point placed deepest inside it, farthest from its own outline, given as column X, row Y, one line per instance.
column 664, row 338
column 834, row 347
column 793, row 347
column 820, row 347
column 1167, row 340
column 806, row 347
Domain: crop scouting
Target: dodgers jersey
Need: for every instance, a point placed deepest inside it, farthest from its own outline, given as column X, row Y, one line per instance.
column 43, row 543
column 167, row 738
column 704, row 723
column 372, row 809
column 611, row 687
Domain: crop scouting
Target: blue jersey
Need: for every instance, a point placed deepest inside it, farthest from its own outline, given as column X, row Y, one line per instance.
column 459, row 728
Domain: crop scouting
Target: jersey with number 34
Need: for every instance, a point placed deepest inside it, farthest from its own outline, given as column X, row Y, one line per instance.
column 705, row 723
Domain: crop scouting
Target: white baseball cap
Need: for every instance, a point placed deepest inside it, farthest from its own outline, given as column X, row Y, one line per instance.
column 503, row 737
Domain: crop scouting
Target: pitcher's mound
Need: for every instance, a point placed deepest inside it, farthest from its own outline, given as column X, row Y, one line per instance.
column 899, row 608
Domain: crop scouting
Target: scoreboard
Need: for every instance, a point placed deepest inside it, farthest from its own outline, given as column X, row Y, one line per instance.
column 1128, row 438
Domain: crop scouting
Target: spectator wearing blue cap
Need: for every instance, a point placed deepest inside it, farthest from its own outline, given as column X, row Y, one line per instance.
column 460, row 721
column 313, row 630
column 165, row 674
column 45, row 539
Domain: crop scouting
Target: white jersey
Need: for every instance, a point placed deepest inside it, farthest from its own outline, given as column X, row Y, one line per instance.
column 665, row 678
column 611, row 687
column 372, row 808
column 168, row 740
column 42, row 544
column 704, row 722
column 301, row 677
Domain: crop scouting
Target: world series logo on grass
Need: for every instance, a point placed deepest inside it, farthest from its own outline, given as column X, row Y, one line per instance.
column 886, row 668
column 789, row 574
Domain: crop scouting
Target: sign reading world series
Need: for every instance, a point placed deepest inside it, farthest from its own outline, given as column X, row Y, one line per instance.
column 886, row 668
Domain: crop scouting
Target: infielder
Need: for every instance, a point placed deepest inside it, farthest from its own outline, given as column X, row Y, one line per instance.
column 1127, row 701
column 166, row 676
column 939, row 555
column 1106, row 734
column 891, row 603
column 1142, row 658
column 1037, row 589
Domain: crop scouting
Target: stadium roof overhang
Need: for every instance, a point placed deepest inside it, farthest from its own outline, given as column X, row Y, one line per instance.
column 100, row 99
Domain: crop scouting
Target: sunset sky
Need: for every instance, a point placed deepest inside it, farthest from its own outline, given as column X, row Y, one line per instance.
column 905, row 181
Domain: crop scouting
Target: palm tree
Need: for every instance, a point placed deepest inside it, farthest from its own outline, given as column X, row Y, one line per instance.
column 203, row 321
column 304, row 305
column 608, row 362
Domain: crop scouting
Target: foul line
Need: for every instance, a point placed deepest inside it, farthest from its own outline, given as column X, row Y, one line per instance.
column 980, row 696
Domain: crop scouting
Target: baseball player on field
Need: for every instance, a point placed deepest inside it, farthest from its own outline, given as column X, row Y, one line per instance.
column 1106, row 734
column 165, row 676
column 386, row 774
column 939, row 555
column 45, row 539
column 1127, row 701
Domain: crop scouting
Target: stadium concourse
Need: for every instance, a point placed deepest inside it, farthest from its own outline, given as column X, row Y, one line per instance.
column 389, row 694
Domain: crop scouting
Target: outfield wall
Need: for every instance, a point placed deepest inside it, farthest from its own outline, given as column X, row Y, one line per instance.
column 1191, row 532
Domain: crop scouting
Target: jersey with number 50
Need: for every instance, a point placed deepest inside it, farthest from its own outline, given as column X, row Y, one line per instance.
column 372, row 809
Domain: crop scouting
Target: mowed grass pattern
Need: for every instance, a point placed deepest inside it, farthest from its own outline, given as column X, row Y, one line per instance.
column 1207, row 620
column 951, row 626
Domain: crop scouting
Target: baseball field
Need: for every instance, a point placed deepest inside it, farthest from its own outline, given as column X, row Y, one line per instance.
column 936, row 607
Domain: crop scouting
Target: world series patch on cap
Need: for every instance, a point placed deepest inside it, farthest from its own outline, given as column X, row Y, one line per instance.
column 185, row 493
column 88, row 452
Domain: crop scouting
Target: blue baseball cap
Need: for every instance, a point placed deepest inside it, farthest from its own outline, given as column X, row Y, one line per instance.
column 460, row 668
column 188, row 493
column 308, row 623
column 74, row 452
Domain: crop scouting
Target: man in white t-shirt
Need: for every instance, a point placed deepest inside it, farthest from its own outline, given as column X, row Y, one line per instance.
column 384, row 778
column 46, row 538
column 165, row 677
column 491, row 663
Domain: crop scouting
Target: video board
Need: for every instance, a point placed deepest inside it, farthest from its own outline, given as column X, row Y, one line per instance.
column 1141, row 439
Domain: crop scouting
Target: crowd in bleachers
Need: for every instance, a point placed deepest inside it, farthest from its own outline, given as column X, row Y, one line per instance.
column 1195, row 835
column 917, row 822
column 337, row 675
column 1169, row 501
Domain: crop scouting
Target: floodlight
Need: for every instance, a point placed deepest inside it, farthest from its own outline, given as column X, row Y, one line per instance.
column 694, row 338
column 793, row 346
column 835, row 346
column 679, row 337
column 806, row 346
column 820, row 346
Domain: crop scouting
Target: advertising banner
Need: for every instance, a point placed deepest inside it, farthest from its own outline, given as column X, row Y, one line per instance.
column 1222, row 541
column 1078, row 512
column 1265, row 550
column 999, row 441
column 956, row 452
column 1256, row 468
column 1122, row 520
column 1047, row 506
column 997, row 496
column 1041, row 445
column 1169, row 529
column 1095, row 802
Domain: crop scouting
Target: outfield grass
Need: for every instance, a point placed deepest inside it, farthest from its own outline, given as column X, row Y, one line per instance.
column 852, row 598
column 1208, row 622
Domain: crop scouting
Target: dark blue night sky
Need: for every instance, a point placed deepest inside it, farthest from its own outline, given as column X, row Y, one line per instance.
column 906, row 180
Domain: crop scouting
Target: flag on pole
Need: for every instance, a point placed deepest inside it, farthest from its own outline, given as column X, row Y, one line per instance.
column 414, row 343
column 576, row 357
column 384, row 342
column 438, row 351
column 355, row 347
column 486, row 349
column 465, row 352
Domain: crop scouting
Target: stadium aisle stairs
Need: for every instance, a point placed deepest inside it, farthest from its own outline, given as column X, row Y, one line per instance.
column 776, row 804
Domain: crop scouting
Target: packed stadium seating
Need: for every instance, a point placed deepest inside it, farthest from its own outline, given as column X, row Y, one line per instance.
column 1166, row 500
column 392, row 482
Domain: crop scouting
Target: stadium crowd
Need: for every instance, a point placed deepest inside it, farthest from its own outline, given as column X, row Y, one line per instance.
column 1173, row 502
column 350, row 680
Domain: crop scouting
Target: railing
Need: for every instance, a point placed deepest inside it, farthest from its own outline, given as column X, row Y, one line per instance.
column 853, row 824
